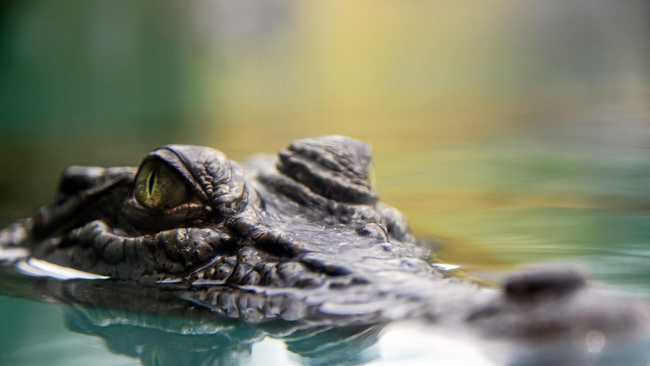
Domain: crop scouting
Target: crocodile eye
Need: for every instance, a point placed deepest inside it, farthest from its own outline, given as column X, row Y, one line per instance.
column 159, row 187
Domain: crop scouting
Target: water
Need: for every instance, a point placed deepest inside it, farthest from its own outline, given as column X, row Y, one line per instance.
column 63, row 336
column 77, row 335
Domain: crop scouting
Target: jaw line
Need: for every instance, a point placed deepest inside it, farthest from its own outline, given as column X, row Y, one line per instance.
column 39, row 268
column 167, row 256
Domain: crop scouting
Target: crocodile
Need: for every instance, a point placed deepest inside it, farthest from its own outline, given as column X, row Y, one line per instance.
column 301, row 236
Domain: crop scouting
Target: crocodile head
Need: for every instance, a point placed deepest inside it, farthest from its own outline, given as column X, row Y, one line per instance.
column 188, row 214
column 297, row 236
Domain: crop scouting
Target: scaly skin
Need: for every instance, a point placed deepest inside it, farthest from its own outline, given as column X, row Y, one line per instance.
column 282, row 224
column 299, row 237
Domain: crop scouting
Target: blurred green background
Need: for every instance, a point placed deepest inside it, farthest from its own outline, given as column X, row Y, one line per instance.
column 514, row 131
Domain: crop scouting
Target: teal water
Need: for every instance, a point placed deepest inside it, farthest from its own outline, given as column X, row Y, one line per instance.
column 38, row 333
column 34, row 333
column 59, row 335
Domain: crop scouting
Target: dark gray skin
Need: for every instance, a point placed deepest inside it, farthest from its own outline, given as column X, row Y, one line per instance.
column 301, row 236
column 306, row 219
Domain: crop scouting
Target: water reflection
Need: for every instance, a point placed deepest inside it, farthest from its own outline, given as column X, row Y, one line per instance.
column 219, row 326
column 154, row 340
column 161, row 328
column 168, row 341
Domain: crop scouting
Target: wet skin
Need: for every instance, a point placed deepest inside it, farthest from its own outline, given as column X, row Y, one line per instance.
column 298, row 236
column 189, row 214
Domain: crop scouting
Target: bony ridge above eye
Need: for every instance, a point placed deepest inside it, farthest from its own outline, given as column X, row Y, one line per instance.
column 159, row 187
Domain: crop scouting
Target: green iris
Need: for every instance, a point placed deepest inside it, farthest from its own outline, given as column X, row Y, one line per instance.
column 159, row 187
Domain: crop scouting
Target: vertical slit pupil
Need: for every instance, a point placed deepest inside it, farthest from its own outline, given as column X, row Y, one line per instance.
column 151, row 181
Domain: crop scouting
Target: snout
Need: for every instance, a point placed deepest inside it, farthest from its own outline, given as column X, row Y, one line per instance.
column 76, row 179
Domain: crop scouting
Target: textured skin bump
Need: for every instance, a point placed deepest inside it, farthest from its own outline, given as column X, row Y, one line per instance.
column 543, row 282
column 334, row 167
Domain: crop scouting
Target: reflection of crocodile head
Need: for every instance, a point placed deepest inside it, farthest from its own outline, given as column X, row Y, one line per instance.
column 307, row 218
column 159, row 329
column 165, row 341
